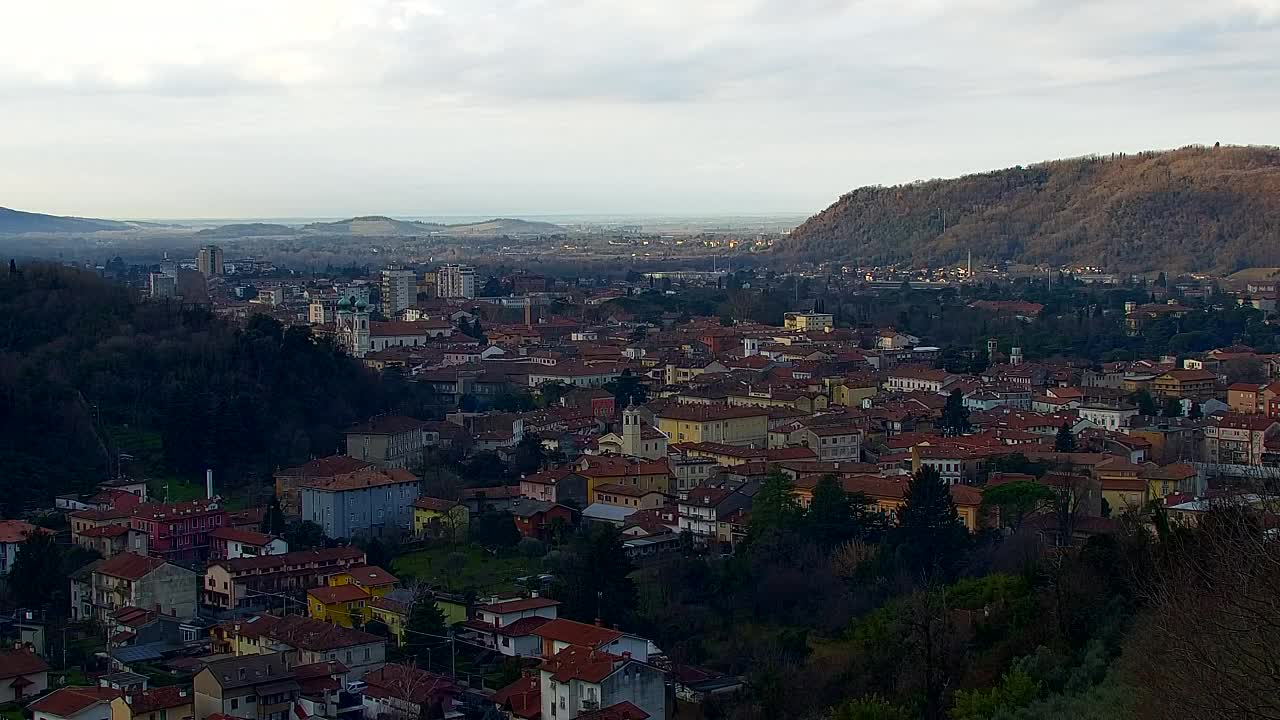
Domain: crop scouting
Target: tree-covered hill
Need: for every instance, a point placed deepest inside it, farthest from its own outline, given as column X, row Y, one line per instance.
column 80, row 357
column 1190, row 209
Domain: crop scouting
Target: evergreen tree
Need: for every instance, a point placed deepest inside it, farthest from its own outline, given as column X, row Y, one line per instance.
column 1172, row 407
column 774, row 509
column 36, row 578
column 835, row 516
column 594, row 579
column 1146, row 404
column 930, row 535
column 273, row 522
column 424, row 630
column 955, row 416
column 1196, row 412
column 1065, row 442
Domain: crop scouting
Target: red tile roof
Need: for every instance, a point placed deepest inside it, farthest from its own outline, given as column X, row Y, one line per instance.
column 521, row 605
column 371, row 576
column 522, row 627
column 325, row 467
column 15, row 531
column 128, row 566
column 246, row 537
column 67, row 701
column 576, row 633
column 161, row 697
column 330, row 595
column 624, row 710
column 387, row 425
column 522, row 698
column 361, row 479
column 705, row 413
column 20, row 662
column 435, row 504
column 577, row 662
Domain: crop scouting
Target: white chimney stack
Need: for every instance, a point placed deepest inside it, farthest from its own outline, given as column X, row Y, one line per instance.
column 208, row 483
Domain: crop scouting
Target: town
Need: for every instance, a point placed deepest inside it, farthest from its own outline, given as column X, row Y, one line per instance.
column 578, row 453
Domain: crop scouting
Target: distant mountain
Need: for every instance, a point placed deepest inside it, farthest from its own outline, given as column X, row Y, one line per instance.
column 373, row 225
column 1190, row 209
column 382, row 226
column 238, row 230
column 17, row 222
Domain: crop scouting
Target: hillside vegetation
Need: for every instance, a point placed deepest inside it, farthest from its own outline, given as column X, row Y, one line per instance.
column 1189, row 209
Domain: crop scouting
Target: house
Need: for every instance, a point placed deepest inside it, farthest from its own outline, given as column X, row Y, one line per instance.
column 289, row 481
column 392, row 610
column 833, row 442
column 1172, row 479
column 230, row 543
column 392, row 334
column 160, row 703
column 509, row 626
column 23, row 674
column 252, row 687
column 732, row 425
column 1249, row 398
column 75, row 703
column 702, row 509
column 371, row 503
column 575, row 374
column 522, row 699
column 301, row 641
column 688, row 471
column 12, row 534
column 400, row 691
column 1239, row 439
column 440, row 518
column 581, row 682
column 262, row 581
column 1108, row 417
column 555, row 485
column 628, row 496
column 388, row 441
column 618, row 470
column 806, row 321
column 908, row 378
column 638, row 438
column 1195, row 385
column 534, row 518
column 179, row 532
column 129, row 580
column 561, row 633
column 338, row 604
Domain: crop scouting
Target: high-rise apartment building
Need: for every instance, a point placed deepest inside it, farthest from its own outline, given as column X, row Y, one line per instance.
column 399, row 290
column 209, row 261
column 162, row 285
column 457, row 281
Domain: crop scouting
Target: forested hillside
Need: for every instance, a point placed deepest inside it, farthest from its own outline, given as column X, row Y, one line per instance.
column 83, row 361
column 1188, row 209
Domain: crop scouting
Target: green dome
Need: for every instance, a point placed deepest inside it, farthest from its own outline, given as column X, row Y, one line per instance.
column 361, row 304
column 344, row 303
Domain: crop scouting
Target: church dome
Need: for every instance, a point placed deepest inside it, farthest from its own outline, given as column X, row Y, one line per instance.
column 344, row 303
column 361, row 305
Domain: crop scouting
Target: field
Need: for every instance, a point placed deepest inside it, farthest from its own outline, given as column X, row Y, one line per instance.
column 472, row 568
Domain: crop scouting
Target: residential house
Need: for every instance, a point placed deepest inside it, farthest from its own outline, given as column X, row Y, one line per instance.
column 648, row 475
column 400, row 691
column 555, row 485
column 534, row 518
column 576, row 374
column 732, row 425
column 509, row 626
column 1172, row 479
column 179, row 532
column 907, row 378
column 388, row 441
column 369, row 503
column 272, row 580
column 561, row 633
column 302, row 641
column 1249, row 398
column 833, row 442
column 23, row 674
column 129, row 580
column 688, row 471
column 440, row 518
column 12, row 534
column 1239, row 439
column 1195, row 385
column 628, row 496
column 289, row 481
column 230, row 543
column 251, row 687
column 583, row 682
column 1108, row 417
column 75, row 703
column 702, row 509
column 392, row 610
column 522, row 699
column 161, row 703
column 888, row 494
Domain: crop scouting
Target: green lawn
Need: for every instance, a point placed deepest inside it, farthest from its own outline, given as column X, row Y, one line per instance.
column 479, row 571
column 11, row 712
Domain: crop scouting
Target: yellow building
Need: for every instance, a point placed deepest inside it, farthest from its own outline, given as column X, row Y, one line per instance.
column 343, row 605
column 646, row 475
column 392, row 613
column 373, row 580
column 805, row 321
column 888, row 495
column 162, row 703
column 438, row 518
column 851, row 393
column 715, row 423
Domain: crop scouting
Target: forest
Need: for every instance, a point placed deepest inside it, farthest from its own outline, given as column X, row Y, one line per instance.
column 1193, row 209
column 84, row 362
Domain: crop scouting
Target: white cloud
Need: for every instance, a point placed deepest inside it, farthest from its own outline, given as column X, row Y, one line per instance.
column 280, row 107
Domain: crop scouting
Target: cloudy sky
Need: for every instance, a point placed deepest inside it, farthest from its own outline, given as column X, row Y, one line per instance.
column 287, row 108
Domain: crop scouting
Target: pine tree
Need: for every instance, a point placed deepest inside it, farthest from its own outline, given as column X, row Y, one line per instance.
column 830, row 519
column 774, row 509
column 424, row 630
column 1172, row 407
column 1065, row 442
column 930, row 535
column 273, row 522
column 1196, row 412
column 955, row 416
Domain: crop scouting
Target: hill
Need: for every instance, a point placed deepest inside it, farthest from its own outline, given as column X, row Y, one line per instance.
column 238, row 230
column 1189, row 209
column 373, row 225
column 504, row 226
column 17, row 222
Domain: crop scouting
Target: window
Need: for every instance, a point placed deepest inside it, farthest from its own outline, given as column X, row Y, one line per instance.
column 235, row 703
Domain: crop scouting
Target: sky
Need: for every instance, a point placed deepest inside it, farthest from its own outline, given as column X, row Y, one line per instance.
column 328, row 108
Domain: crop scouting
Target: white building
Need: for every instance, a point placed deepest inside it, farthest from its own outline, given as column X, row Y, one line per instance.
column 580, row 680
column 399, row 290
column 209, row 261
column 1108, row 417
column 457, row 281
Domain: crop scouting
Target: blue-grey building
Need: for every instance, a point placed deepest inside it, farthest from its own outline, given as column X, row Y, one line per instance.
column 369, row 502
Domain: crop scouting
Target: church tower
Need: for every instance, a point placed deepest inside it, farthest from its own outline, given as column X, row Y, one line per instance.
column 631, row 435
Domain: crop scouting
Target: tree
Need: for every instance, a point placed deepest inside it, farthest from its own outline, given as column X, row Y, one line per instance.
column 871, row 707
column 1065, row 442
column 1146, row 404
column 594, row 580
column 495, row 529
column 1172, row 407
column 834, row 516
column 273, row 522
column 775, row 512
column 424, row 629
column 930, row 535
column 529, row 456
column 955, row 416
column 37, row 577
column 628, row 390
column 304, row 535
column 1196, row 412
column 1018, row 500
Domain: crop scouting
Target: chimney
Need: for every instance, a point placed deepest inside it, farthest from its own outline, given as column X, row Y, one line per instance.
column 533, row 593
column 626, row 655
column 599, row 622
column 208, row 483
column 128, row 699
